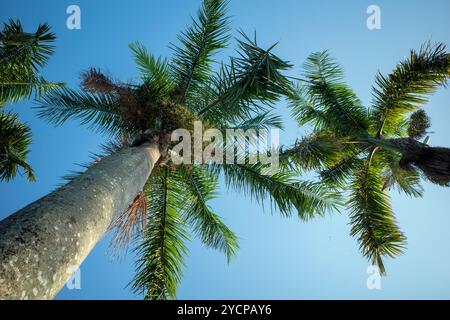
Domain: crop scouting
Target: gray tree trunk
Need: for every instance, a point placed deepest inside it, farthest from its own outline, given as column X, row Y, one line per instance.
column 42, row 244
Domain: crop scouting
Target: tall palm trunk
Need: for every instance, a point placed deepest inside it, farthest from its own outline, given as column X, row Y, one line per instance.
column 42, row 244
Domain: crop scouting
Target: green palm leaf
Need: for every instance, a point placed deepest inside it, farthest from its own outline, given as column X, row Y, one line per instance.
column 408, row 87
column 254, row 76
column 206, row 35
column 199, row 186
column 282, row 189
column 161, row 253
column 100, row 111
column 155, row 72
column 15, row 139
column 335, row 103
column 371, row 216
column 21, row 56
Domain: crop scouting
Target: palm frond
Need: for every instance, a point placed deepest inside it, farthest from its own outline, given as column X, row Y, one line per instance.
column 251, row 80
column 161, row 253
column 99, row 111
column 154, row 72
column 371, row 217
column 339, row 174
column 18, row 46
column 329, row 100
column 282, row 189
column 198, row 187
column 315, row 151
column 130, row 224
column 206, row 35
column 408, row 87
column 95, row 81
column 263, row 120
column 15, row 139
column 21, row 56
column 405, row 181
column 17, row 89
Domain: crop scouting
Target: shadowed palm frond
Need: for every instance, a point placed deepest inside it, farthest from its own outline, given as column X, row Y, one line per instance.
column 17, row 45
column 15, row 138
column 316, row 151
column 339, row 174
column 21, row 56
column 405, row 181
column 94, row 81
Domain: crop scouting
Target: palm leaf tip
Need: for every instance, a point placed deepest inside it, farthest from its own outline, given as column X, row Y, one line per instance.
column 325, row 101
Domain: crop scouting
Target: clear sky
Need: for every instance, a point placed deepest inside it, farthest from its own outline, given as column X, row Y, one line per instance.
column 279, row 258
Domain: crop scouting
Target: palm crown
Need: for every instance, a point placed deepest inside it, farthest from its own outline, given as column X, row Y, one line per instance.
column 172, row 94
column 367, row 151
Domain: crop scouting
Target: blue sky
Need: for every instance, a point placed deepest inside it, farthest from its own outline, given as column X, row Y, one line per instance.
column 279, row 258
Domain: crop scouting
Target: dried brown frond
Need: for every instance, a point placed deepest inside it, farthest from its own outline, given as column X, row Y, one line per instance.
column 94, row 81
column 130, row 223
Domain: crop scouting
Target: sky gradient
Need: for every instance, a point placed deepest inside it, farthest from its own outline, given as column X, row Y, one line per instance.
column 279, row 258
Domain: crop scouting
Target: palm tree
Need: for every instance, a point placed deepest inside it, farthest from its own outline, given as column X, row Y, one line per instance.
column 134, row 186
column 21, row 56
column 368, row 151
column 15, row 138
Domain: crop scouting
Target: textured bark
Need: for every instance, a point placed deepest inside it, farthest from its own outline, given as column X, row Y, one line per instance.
column 42, row 244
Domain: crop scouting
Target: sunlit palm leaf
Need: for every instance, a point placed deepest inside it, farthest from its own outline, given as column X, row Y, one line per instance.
column 408, row 87
column 207, row 34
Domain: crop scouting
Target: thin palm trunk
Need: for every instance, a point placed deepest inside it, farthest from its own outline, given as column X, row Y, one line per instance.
column 42, row 244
